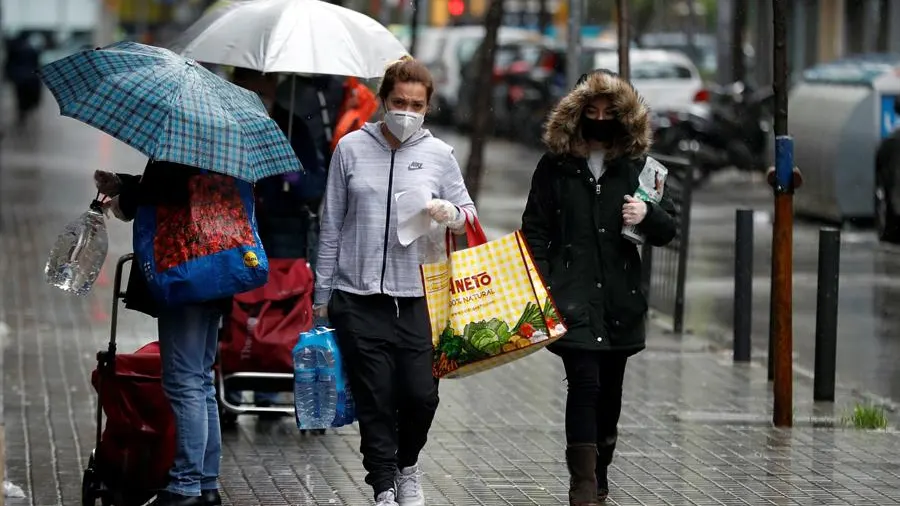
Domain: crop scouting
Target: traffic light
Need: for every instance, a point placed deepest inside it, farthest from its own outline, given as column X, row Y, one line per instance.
column 456, row 7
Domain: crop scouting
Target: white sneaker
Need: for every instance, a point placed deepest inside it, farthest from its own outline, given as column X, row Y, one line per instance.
column 386, row 498
column 409, row 490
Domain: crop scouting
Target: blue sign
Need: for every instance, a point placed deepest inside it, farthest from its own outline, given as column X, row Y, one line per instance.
column 889, row 119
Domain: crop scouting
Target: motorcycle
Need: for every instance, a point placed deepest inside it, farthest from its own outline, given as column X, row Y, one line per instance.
column 528, row 102
column 733, row 131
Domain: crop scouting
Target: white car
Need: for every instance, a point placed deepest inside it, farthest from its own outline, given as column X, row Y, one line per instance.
column 445, row 50
column 667, row 80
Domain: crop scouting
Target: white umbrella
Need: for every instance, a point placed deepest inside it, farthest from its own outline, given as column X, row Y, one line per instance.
column 290, row 36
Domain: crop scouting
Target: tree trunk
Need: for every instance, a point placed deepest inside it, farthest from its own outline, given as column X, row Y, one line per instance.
column 481, row 114
column 414, row 28
column 624, row 18
column 737, row 41
column 884, row 26
column 639, row 18
column 543, row 17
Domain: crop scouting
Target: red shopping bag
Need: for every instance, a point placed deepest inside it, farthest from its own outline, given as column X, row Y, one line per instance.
column 265, row 323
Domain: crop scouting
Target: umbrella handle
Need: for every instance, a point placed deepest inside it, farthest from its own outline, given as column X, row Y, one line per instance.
column 290, row 134
column 291, row 116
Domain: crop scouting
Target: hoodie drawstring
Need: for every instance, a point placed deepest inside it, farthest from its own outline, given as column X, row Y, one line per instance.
column 397, row 306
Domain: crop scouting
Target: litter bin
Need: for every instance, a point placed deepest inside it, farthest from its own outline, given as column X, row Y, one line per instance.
column 838, row 114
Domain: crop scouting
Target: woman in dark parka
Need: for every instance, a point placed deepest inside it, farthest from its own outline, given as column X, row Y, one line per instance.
column 581, row 197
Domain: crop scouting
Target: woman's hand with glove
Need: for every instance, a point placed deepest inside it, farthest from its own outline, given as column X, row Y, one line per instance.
column 445, row 213
column 107, row 183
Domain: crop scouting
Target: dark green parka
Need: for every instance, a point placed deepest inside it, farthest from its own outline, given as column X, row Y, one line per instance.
column 573, row 223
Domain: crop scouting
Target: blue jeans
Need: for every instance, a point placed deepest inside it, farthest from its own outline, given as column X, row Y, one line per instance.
column 188, row 338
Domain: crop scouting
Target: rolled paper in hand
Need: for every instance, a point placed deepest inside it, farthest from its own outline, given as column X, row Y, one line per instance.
column 651, row 184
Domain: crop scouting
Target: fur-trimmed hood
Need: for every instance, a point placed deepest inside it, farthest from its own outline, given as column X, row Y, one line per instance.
column 562, row 132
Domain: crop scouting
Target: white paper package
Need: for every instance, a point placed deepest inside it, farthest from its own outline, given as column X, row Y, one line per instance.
column 651, row 184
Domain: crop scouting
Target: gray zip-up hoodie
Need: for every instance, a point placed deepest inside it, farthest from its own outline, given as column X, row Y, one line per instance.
column 359, row 251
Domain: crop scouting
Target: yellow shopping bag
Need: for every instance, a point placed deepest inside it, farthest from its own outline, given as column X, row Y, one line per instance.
column 488, row 306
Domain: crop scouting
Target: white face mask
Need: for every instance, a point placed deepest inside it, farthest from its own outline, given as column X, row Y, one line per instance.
column 403, row 124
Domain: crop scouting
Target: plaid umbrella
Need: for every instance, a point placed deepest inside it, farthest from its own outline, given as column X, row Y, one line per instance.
column 170, row 108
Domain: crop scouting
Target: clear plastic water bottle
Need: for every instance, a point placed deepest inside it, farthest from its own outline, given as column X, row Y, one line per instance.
column 327, row 389
column 305, row 377
column 346, row 407
column 79, row 252
column 315, row 380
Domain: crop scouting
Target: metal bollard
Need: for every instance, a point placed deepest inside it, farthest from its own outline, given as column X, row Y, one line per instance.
column 826, row 313
column 743, row 284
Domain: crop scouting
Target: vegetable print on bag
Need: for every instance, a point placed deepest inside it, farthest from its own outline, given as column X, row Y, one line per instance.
column 488, row 307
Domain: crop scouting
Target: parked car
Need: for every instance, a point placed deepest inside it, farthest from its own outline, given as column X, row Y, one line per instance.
column 668, row 80
column 533, row 94
column 513, row 61
column 457, row 46
column 428, row 41
column 734, row 131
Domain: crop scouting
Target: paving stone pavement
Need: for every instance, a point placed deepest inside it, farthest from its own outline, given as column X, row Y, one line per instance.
column 695, row 428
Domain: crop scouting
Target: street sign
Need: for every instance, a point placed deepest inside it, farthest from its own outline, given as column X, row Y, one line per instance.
column 889, row 118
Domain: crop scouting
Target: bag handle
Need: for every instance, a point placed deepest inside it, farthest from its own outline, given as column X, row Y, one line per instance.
column 475, row 235
column 526, row 255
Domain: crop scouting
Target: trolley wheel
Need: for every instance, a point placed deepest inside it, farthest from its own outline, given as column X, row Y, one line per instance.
column 89, row 490
column 227, row 419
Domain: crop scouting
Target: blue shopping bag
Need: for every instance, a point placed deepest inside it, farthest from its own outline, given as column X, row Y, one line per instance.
column 322, row 396
column 205, row 250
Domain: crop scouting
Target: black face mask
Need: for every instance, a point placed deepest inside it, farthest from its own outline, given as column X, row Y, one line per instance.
column 602, row 130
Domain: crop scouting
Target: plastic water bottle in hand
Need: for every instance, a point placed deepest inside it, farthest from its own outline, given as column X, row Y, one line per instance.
column 315, row 380
column 79, row 252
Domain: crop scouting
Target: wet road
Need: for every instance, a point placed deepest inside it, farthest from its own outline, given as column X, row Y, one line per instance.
column 868, row 338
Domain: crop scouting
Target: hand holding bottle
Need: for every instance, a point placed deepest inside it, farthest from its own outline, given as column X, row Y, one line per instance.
column 107, row 183
column 112, row 205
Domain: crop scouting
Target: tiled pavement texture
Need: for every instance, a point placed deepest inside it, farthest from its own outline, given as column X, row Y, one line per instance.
column 695, row 428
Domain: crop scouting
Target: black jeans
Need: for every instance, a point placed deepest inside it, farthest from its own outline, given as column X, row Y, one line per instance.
column 594, row 401
column 386, row 343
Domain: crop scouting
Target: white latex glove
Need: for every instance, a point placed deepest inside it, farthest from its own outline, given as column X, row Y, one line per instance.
column 112, row 205
column 443, row 212
column 107, row 183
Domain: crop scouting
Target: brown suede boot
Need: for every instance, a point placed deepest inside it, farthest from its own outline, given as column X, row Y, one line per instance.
column 602, row 483
column 582, row 462
column 605, row 452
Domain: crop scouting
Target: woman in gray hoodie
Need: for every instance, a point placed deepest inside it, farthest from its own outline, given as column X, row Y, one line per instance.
column 368, row 283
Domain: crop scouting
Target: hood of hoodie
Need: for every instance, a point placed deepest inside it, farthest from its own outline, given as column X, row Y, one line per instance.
column 374, row 129
column 562, row 132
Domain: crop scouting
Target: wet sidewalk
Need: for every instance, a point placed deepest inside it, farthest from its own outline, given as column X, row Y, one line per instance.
column 695, row 428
